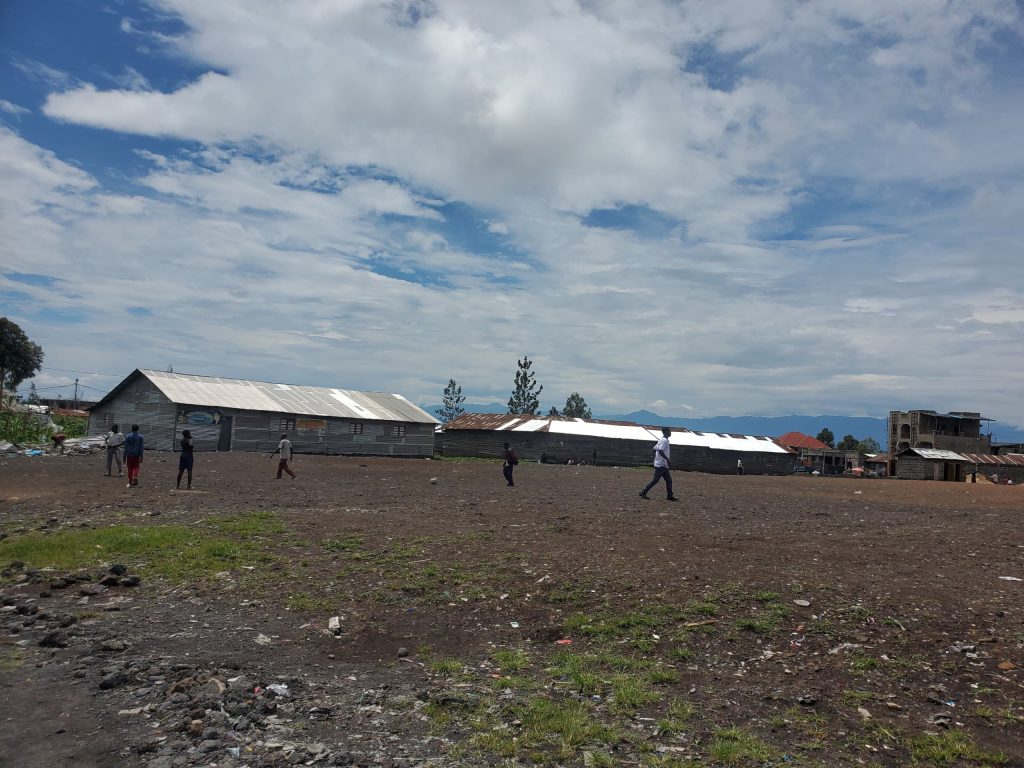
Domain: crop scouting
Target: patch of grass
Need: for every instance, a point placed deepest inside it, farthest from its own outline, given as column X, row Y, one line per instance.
column 668, row 761
column 951, row 748
column 856, row 698
column 662, row 676
column 701, row 608
column 177, row 552
column 515, row 683
column 447, row 667
column 305, row 603
column 678, row 716
column 734, row 746
column 514, row 660
column 630, row 694
column 861, row 662
column 766, row 597
column 576, row 596
column 586, row 683
column 347, row 544
column 565, row 725
column 10, row 659
column 681, row 653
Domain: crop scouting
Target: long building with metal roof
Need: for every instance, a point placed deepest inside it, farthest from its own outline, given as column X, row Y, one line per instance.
column 242, row 415
column 584, row 441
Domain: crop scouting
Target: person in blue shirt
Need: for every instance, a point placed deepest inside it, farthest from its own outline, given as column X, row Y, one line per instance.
column 134, row 447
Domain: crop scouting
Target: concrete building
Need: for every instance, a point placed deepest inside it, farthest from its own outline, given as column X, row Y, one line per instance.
column 239, row 415
column 938, row 464
column 955, row 431
column 609, row 443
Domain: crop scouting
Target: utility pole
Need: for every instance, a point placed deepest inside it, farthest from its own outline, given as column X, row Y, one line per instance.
column 76, row 394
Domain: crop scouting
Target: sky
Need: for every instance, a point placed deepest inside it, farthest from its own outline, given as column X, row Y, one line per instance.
column 739, row 207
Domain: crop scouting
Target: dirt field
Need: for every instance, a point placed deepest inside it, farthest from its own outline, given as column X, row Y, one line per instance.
column 760, row 621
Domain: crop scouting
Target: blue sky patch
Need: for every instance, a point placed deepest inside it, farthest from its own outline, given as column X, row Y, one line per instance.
column 44, row 281
column 639, row 219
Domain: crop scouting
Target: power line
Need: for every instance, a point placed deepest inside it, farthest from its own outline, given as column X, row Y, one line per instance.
column 87, row 373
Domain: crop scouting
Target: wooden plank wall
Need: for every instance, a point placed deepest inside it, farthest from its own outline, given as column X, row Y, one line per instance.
column 143, row 404
column 138, row 403
column 624, row 453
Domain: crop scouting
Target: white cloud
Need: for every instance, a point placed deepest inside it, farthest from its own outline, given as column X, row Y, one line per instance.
column 843, row 182
column 13, row 109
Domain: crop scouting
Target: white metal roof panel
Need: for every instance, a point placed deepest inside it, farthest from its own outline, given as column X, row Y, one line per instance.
column 745, row 444
column 246, row 395
column 530, row 426
column 936, row 453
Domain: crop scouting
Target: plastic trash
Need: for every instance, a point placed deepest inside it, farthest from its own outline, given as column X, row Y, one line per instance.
column 278, row 689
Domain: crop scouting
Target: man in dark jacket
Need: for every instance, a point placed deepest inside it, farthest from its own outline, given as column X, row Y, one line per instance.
column 510, row 461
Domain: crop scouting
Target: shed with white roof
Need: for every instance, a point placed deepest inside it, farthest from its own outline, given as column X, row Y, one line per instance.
column 241, row 415
column 559, row 440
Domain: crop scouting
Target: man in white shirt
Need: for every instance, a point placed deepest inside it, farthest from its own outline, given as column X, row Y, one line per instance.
column 739, row 466
column 284, row 449
column 662, row 451
column 114, row 440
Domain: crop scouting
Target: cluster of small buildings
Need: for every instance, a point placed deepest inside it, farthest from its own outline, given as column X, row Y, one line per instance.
column 239, row 415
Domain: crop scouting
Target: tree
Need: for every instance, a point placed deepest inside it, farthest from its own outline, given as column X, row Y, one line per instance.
column 451, row 406
column 553, row 412
column 848, row 443
column 526, row 395
column 33, row 394
column 20, row 359
column 576, row 407
column 827, row 437
column 868, row 445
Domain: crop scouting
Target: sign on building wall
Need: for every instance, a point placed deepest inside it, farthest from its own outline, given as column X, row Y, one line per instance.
column 311, row 427
column 199, row 417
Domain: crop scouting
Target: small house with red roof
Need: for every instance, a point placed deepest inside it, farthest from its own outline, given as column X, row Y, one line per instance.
column 813, row 454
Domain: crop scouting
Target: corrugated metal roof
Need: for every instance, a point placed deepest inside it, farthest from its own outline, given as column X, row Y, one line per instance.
column 614, row 430
column 800, row 440
column 1006, row 459
column 214, row 392
column 937, row 453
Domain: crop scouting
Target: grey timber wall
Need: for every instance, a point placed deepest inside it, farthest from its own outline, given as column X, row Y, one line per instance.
column 140, row 402
column 622, row 453
column 255, row 431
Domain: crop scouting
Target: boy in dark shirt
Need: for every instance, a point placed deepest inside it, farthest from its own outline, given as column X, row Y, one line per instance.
column 187, row 458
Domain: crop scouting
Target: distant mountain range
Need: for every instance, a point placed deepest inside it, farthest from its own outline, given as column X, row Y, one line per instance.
column 860, row 427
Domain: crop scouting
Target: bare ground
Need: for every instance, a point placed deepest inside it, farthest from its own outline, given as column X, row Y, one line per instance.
column 760, row 621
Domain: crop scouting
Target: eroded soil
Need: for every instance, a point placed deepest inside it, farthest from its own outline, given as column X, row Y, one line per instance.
column 759, row 621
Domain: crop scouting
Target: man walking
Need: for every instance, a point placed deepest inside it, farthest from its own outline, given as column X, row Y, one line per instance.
column 510, row 461
column 284, row 450
column 739, row 466
column 134, row 447
column 662, row 451
column 114, row 440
